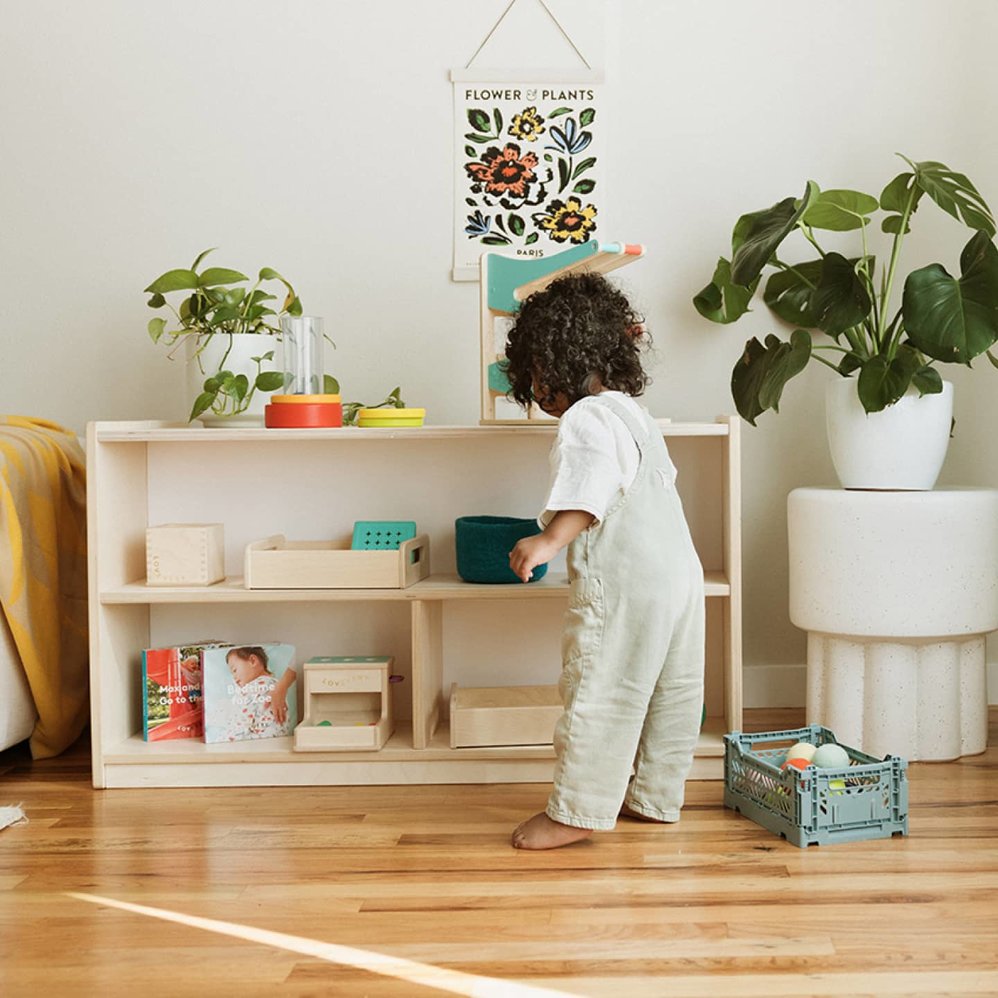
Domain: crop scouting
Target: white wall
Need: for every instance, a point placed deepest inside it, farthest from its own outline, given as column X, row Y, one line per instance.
column 315, row 137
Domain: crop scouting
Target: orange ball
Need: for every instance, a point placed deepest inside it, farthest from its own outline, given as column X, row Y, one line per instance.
column 796, row 763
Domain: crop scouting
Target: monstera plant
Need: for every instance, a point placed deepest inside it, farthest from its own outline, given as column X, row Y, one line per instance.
column 844, row 308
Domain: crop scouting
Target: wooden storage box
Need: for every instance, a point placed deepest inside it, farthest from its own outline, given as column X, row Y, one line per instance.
column 185, row 554
column 348, row 704
column 503, row 715
column 277, row 563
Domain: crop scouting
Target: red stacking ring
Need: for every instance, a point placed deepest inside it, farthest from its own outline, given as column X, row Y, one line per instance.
column 305, row 416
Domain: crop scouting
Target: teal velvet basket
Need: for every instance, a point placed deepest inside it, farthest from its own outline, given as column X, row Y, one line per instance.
column 484, row 544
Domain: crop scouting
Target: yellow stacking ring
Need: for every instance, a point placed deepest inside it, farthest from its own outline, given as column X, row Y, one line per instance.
column 304, row 399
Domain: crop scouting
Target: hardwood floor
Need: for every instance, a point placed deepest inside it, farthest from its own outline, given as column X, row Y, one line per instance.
column 413, row 891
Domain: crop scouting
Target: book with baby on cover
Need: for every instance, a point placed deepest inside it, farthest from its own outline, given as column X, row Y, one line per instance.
column 250, row 692
column 171, row 692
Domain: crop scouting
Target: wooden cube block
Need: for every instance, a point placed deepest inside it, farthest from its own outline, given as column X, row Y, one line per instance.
column 185, row 554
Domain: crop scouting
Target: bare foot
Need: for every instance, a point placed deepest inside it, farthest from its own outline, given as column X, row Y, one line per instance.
column 540, row 832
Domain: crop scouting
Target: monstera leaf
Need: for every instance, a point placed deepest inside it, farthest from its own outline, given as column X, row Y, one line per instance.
column 894, row 198
column 882, row 382
column 840, row 211
column 788, row 293
column 758, row 234
column 723, row 300
column 841, row 299
column 955, row 320
column 954, row 193
column 759, row 377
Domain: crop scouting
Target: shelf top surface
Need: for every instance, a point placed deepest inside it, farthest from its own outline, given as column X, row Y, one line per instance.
column 151, row 431
column 435, row 587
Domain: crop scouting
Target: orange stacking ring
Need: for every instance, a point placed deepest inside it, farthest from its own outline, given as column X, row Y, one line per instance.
column 305, row 415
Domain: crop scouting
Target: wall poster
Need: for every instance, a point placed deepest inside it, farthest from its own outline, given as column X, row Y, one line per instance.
column 528, row 172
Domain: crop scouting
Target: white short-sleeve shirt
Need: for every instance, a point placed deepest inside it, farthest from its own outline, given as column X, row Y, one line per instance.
column 594, row 458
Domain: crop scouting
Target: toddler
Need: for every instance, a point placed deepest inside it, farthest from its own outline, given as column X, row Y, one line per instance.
column 633, row 642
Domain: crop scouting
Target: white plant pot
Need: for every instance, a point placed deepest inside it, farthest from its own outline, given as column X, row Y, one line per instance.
column 902, row 447
column 244, row 347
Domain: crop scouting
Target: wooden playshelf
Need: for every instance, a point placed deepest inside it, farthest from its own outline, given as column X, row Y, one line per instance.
column 315, row 483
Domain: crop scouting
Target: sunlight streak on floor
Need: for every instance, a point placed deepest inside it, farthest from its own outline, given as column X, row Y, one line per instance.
column 454, row 981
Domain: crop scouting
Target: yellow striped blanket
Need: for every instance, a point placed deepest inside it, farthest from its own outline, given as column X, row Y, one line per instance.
column 43, row 572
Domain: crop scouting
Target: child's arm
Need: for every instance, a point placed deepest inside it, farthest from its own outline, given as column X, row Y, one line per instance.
column 530, row 552
column 279, row 696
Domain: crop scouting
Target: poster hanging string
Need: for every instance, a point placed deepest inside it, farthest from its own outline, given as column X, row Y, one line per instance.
column 550, row 14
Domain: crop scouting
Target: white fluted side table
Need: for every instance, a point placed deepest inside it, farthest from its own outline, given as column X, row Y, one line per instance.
column 897, row 591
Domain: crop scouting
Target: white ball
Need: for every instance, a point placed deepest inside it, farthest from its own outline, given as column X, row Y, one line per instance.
column 802, row 750
column 831, row 756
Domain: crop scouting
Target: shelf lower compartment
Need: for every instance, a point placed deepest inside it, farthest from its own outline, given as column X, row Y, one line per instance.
column 273, row 762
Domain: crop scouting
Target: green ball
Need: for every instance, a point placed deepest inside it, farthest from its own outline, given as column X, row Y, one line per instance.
column 831, row 756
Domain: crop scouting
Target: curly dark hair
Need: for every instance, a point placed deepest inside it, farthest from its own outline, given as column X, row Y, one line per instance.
column 578, row 336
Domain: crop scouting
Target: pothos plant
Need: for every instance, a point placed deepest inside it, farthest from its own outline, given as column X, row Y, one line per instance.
column 215, row 304
column 890, row 347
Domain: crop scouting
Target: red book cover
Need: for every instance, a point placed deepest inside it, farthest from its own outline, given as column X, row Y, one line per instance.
column 172, row 705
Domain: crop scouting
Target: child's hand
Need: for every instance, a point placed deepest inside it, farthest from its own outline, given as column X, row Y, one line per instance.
column 531, row 552
column 279, row 705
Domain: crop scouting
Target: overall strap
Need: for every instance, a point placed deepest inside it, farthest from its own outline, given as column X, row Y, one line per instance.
column 637, row 428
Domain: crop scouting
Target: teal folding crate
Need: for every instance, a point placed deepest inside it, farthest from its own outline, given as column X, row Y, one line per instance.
column 866, row 800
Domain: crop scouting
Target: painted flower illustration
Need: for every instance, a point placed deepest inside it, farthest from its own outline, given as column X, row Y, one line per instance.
column 528, row 125
column 568, row 220
column 571, row 141
column 478, row 225
column 506, row 177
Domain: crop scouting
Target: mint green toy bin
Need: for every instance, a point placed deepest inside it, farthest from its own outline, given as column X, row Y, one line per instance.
column 483, row 547
column 867, row 799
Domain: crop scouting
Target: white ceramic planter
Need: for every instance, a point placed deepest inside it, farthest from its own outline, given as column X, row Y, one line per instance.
column 244, row 346
column 902, row 447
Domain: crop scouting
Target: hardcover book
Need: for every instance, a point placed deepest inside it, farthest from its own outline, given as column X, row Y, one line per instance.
column 250, row 692
column 171, row 684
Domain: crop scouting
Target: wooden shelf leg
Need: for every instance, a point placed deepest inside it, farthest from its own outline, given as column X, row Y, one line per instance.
column 427, row 669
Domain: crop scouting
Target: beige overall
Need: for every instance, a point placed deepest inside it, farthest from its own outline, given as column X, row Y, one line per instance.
column 632, row 652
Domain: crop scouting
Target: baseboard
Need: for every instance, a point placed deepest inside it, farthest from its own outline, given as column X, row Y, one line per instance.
column 786, row 685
